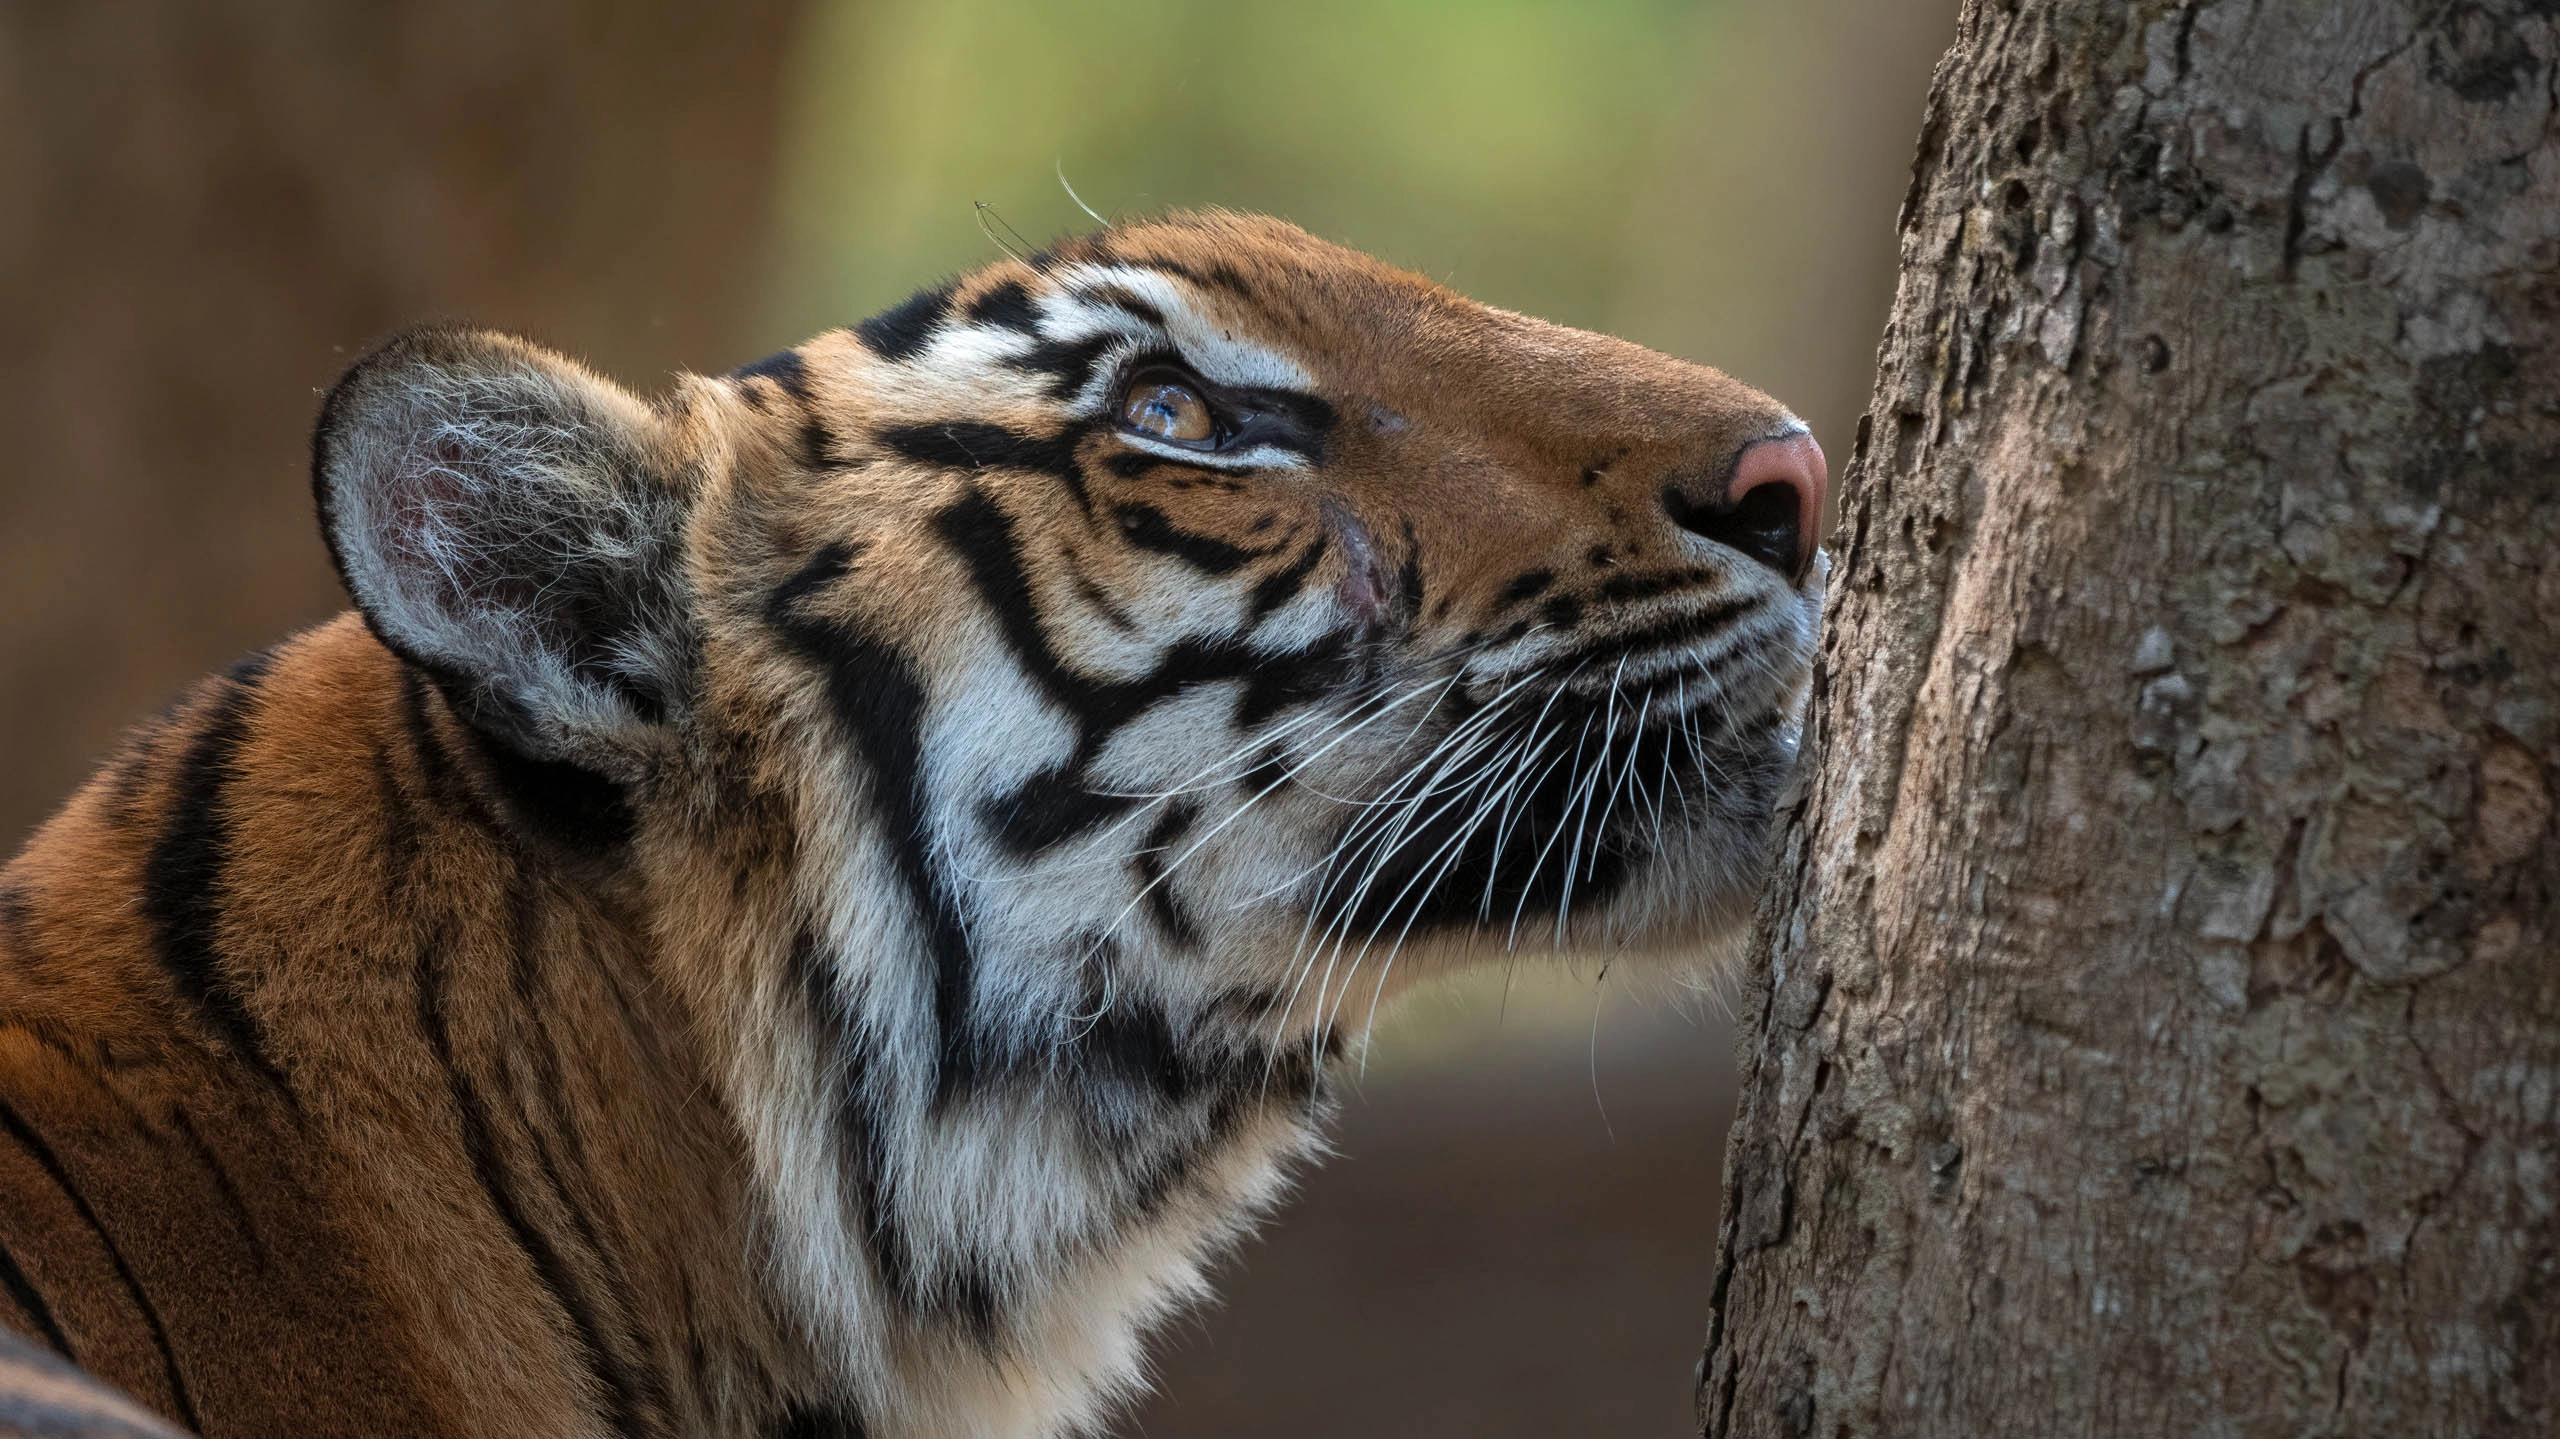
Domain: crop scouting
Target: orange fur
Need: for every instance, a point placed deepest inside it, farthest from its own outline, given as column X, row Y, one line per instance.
column 422, row 1126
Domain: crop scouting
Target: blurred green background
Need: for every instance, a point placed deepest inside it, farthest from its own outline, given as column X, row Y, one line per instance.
column 1714, row 178
column 208, row 206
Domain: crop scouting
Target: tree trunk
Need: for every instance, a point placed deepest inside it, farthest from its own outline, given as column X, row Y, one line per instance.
column 2159, row 1030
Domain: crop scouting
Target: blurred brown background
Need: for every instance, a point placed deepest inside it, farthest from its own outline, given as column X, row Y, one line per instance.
column 208, row 206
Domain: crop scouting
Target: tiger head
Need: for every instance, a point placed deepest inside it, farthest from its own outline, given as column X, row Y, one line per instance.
column 1132, row 659
column 1195, row 589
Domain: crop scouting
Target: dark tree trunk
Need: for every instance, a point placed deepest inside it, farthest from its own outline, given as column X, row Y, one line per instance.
column 208, row 206
column 2159, row 1030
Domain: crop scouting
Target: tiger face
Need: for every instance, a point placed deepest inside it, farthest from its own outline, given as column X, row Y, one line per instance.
column 1038, row 722
column 1197, row 588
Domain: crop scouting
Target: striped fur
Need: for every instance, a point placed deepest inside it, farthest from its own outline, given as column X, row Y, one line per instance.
column 816, row 905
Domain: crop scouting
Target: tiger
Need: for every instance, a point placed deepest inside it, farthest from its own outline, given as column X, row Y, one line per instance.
column 822, row 902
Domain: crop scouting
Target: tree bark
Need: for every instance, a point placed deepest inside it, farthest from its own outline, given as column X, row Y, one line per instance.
column 2159, row 1023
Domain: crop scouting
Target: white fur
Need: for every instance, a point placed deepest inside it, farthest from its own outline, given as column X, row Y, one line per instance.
column 1010, row 1177
column 1216, row 350
column 1030, row 1183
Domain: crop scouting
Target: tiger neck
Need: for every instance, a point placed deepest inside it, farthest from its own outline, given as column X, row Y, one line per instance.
column 983, row 1165
column 986, row 1168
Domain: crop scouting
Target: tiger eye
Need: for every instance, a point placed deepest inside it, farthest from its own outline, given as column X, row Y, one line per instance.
column 1168, row 411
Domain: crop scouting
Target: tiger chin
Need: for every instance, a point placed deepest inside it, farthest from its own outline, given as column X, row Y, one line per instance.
column 817, row 903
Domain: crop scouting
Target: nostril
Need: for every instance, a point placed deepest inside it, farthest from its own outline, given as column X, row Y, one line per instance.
column 1770, row 509
column 1763, row 524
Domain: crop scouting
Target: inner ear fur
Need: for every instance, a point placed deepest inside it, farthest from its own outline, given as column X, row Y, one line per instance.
column 510, row 522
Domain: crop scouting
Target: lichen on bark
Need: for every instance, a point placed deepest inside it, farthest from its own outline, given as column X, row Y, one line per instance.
column 2159, row 1015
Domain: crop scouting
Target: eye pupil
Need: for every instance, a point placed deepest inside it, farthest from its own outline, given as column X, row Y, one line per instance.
column 1168, row 410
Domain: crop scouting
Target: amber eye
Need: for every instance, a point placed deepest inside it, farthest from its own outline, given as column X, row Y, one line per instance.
column 1168, row 410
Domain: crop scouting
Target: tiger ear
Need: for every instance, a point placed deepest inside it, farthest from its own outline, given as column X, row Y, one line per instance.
column 500, row 516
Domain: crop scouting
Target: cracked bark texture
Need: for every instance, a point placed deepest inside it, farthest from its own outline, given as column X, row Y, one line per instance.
column 2158, row 1029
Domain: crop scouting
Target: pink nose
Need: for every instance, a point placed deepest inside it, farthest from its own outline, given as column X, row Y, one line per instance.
column 1770, row 509
column 1792, row 471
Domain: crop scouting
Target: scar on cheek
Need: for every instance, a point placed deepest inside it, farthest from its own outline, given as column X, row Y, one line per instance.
column 1385, row 421
column 1364, row 586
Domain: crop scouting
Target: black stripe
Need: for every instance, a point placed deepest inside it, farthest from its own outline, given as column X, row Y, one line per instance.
column 1273, row 684
column 1236, row 1085
column 1132, row 464
column 182, row 878
column 45, row 1158
column 1067, row 363
column 605, row 1359
column 880, row 704
column 1682, row 630
column 1269, row 773
column 1248, row 1005
column 975, row 445
column 1528, row 586
column 859, row 1120
column 1092, row 594
column 17, row 920
column 817, row 443
column 437, row 774
column 398, row 830
column 570, row 809
column 1133, row 1065
column 970, row 445
column 551, row 1087
column 30, row 1302
column 902, row 333
column 819, row 1421
column 1148, row 529
column 833, row 561
column 784, row 369
column 1047, row 810
column 480, row 1142
column 1007, row 306
column 1645, row 587
column 1162, row 903
column 1282, row 586
column 1284, row 419
column 250, row 670
column 1409, row 577
column 1431, row 886
column 1120, row 299
column 966, row 1291
column 566, row 806
column 222, row 1185
column 980, row 532
column 1218, row 274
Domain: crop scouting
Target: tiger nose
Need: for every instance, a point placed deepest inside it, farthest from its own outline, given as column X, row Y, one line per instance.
column 1770, row 507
